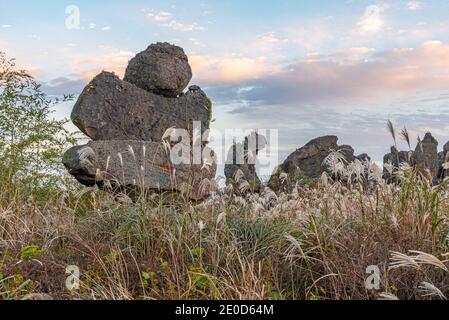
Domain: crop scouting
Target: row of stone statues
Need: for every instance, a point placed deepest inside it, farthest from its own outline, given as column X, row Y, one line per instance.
column 128, row 120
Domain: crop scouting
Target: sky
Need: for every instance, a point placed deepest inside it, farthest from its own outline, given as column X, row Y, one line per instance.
column 306, row 68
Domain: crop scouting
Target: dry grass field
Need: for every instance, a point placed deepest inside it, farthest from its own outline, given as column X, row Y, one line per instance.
column 313, row 243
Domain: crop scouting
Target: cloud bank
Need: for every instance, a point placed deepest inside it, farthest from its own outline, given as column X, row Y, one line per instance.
column 355, row 73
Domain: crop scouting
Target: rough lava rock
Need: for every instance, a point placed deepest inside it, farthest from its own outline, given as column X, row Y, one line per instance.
column 425, row 157
column 119, row 165
column 112, row 109
column 443, row 157
column 363, row 157
column 307, row 162
column 347, row 152
column 162, row 69
column 80, row 162
column 395, row 158
column 242, row 156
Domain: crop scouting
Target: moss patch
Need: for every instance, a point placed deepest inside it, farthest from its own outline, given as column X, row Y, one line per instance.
column 208, row 107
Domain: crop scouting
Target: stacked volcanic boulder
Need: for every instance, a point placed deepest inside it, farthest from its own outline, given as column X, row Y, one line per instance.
column 127, row 119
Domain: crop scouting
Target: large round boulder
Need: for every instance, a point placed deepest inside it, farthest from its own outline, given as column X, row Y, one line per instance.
column 162, row 69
